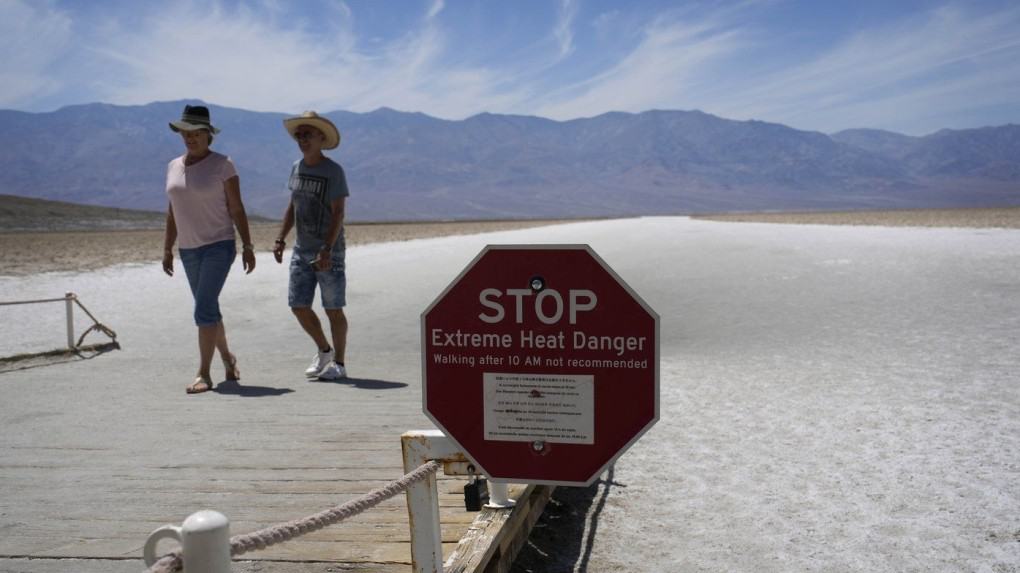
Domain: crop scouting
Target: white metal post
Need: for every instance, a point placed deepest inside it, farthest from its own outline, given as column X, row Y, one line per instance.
column 423, row 497
column 499, row 495
column 68, row 302
column 205, row 540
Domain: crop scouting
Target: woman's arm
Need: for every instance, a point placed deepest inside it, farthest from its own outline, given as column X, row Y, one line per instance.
column 232, row 187
column 169, row 238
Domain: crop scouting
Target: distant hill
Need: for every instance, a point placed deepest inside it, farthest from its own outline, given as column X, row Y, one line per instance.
column 410, row 166
column 989, row 153
column 28, row 214
column 880, row 142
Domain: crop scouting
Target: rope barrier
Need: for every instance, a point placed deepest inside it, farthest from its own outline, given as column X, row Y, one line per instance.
column 266, row 537
column 96, row 325
column 61, row 299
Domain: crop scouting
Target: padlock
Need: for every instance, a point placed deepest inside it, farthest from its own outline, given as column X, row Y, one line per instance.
column 476, row 493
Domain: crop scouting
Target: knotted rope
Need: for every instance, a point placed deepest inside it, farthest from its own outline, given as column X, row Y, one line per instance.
column 98, row 326
column 263, row 538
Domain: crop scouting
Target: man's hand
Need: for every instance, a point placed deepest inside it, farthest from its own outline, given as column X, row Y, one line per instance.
column 323, row 262
column 278, row 247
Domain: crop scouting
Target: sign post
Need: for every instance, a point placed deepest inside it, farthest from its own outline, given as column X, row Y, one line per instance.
column 540, row 363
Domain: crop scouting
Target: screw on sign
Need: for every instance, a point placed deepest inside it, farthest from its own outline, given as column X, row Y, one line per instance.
column 540, row 363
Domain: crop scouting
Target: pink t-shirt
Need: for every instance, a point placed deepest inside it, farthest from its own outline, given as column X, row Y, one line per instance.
column 199, row 200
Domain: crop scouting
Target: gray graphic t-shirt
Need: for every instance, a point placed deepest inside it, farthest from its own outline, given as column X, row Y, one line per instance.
column 312, row 189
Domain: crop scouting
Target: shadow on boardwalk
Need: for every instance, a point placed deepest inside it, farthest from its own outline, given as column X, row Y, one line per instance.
column 562, row 539
column 53, row 357
column 234, row 388
column 366, row 384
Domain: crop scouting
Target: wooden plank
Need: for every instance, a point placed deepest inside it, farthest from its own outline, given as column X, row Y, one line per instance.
column 497, row 535
column 374, row 551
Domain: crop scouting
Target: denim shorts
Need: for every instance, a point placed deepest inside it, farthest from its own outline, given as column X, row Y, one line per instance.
column 304, row 276
column 207, row 267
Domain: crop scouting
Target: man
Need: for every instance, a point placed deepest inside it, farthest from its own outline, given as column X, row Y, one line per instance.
column 318, row 190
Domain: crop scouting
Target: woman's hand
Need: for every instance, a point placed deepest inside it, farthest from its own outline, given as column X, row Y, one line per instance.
column 168, row 262
column 248, row 258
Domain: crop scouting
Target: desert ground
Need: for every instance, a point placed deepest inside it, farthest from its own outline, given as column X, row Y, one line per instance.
column 832, row 399
column 28, row 252
column 1003, row 218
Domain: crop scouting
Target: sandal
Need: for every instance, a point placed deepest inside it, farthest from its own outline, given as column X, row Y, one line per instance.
column 201, row 384
column 233, row 373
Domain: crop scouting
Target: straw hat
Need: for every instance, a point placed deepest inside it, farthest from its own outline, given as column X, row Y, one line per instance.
column 318, row 122
column 194, row 117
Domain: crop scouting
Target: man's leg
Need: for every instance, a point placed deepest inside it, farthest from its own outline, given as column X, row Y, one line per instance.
column 301, row 293
column 338, row 329
column 333, row 287
column 310, row 322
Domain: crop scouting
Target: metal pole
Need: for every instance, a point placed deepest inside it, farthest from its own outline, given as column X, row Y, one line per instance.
column 68, row 299
column 499, row 495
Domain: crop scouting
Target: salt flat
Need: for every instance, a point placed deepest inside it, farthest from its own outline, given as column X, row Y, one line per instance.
column 832, row 399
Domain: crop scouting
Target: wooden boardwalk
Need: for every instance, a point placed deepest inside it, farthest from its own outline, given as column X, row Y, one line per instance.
column 89, row 477
column 96, row 453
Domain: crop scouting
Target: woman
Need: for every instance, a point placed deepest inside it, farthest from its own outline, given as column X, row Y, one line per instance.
column 205, row 206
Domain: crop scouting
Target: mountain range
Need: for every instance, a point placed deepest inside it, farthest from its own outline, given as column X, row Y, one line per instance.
column 410, row 166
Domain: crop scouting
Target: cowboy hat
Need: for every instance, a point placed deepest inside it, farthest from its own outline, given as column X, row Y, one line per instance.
column 313, row 119
column 193, row 117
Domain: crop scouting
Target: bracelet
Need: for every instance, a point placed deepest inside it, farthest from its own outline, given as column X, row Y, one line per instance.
column 279, row 242
column 248, row 247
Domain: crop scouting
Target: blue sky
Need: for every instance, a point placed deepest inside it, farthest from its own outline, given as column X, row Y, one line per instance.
column 907, row 66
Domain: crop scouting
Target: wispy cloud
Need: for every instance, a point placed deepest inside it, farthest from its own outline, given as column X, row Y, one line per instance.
column 33, row 38
column 889, row 76
column 413, row 72
column 660, row 72
column 563, row 30
column 435, row 8
column 910, row 74
column 950, row 65
column 233, row 57
column 240, row 57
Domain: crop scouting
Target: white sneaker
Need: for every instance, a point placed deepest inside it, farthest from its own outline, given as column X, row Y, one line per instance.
column 319, row 363
column 333, row 371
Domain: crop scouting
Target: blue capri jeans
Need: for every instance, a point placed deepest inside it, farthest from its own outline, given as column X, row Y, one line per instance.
column 207, row 268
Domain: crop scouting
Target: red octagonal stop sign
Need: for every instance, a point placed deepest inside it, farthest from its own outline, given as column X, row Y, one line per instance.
column 541, row 363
